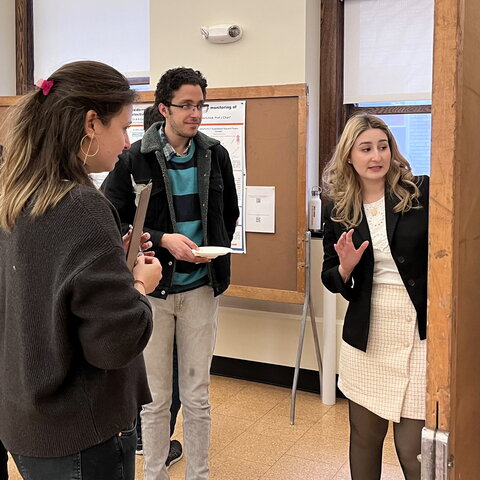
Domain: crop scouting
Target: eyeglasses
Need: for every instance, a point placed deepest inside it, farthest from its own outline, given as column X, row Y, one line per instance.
column 190, row 108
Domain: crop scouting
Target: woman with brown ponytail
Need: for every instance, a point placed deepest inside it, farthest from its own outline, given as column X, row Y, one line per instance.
column 73, row 319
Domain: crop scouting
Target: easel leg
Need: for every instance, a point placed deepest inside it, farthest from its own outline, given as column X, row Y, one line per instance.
column 307, row 305
column 298, row 361
column 316, row 343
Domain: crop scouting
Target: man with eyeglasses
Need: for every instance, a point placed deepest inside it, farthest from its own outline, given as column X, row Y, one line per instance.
column 193, row 203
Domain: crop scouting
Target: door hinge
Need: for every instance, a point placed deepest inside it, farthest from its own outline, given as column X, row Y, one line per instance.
column 435, row 457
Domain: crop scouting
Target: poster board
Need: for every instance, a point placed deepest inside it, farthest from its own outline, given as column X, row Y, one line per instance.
column 134, row 246
column 276, row 119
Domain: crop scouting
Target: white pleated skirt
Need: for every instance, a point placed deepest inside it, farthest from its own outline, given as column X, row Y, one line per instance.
column 389, row 379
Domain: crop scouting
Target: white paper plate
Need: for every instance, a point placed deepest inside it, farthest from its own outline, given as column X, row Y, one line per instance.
column 211, row 252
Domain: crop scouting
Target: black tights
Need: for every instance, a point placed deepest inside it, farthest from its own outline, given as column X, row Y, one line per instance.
column 367, row 433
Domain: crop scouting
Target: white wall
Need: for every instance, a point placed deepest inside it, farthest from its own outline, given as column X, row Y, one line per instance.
column 312, row 78
column 7, row 47
column 271, row 52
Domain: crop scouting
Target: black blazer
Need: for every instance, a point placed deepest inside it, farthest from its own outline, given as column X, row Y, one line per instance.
column 408, row 239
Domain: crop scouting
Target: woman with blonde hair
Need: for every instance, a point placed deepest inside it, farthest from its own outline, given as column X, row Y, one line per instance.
column 73, row 319
column 375, row 256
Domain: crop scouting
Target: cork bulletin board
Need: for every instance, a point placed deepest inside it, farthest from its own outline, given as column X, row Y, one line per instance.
column 275, row 130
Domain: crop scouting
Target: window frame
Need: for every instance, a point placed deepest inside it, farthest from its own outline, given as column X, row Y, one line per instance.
column 354, row 109
column 138, row 80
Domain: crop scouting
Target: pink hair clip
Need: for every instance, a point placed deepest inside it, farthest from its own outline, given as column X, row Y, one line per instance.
column 44, row 85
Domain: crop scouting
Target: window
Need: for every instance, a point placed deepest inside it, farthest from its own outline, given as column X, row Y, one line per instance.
column 411, row 130
column 388, row 48
column 116, row 32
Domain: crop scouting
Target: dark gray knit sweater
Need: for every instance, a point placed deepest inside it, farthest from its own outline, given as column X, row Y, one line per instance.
column 72, row 330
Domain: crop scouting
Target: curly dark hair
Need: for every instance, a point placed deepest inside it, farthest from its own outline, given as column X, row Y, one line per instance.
column 173, row 79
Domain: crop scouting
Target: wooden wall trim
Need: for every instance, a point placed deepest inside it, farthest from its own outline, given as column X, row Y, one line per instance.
column 301, row 192
column 267, row 91
column 257, row 293
column 24, row 45
column 7, row 101
column 445, row 120
column 262, row 91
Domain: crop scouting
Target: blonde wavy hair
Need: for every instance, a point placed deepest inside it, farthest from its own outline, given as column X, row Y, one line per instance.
column 40, row 163
column 341, row 182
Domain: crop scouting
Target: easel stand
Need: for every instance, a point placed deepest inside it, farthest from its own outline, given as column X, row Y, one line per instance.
column 307, row 305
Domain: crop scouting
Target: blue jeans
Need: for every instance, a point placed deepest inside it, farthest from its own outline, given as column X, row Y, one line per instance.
column 3, row 463
column 110, row 460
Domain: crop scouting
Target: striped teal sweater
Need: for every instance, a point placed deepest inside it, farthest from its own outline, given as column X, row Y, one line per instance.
column 182, row 173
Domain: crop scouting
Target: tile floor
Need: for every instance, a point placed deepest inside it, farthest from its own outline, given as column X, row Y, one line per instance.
column 252, row 437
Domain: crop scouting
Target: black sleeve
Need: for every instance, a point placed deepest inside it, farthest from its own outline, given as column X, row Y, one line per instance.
column 118, row 188
column 230, row 199
column 331, row 277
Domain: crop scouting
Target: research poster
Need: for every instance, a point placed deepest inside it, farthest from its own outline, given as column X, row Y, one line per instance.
column 225, row 121
column 135, row 130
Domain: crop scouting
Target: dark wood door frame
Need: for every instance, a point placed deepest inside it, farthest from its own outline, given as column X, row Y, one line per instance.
column 332, row 110
column 24, row 45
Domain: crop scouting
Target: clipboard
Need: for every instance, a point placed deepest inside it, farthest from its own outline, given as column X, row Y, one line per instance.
column 139, row 220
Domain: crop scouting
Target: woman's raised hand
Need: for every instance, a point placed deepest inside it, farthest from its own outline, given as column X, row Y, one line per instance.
column 348, row 255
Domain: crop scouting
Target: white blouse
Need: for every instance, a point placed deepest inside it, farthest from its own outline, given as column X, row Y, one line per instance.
column 384, row 270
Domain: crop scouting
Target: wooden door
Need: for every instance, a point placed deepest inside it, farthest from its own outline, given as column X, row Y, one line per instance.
column 453, row 378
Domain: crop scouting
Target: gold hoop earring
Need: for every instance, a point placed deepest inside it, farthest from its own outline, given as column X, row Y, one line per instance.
column 87, row 153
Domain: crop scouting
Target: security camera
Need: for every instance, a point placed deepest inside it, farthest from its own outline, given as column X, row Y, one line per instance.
column 222, row 33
